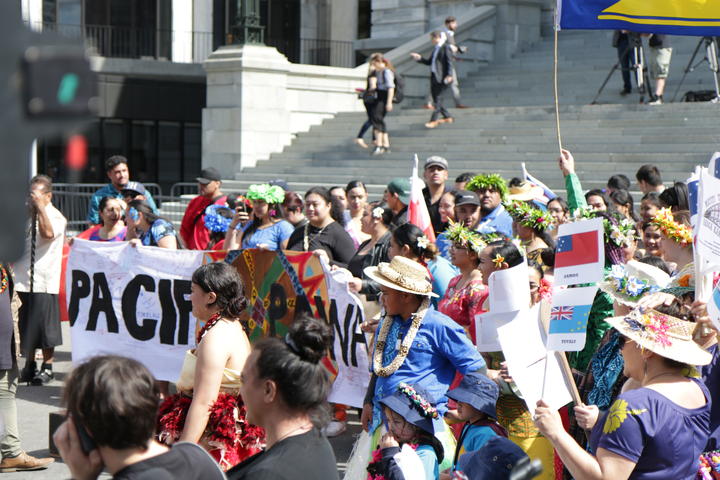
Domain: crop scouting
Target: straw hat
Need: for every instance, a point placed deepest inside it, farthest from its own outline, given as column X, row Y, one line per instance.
column 402, row 274
column 628, row 283
column 667, row 336
column 683, row 282
column 525, row 192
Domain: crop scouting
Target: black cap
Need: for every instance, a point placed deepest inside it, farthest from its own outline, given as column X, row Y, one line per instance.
column 208, row 175
column 134, row 187
column 466, row 197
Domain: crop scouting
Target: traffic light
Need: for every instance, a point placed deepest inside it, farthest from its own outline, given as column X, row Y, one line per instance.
column 46, row 89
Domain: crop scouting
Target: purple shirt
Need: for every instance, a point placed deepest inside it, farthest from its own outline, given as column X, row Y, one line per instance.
column 661, row 437
column 711, row 376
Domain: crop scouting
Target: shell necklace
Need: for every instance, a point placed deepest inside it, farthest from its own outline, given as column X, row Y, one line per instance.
column 417, row 319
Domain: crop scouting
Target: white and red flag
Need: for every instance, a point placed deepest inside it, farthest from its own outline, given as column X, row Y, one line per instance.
column 418, row 213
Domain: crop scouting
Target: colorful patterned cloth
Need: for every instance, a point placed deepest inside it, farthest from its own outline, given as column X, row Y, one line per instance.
column 463, row 304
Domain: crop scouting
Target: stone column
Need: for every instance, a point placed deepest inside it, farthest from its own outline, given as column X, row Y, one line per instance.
column 182, row 26
column 247, row 115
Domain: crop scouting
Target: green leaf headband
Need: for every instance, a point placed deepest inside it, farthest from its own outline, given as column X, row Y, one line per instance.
column 485, row 182
column 459, row 234
column 265, row 192
column 529, row 216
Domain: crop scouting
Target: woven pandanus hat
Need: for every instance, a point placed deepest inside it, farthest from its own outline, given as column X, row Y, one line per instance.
column 404, row 275
column 663, row 334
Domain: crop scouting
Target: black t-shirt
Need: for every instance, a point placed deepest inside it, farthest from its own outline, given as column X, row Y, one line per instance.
column 184, row 461
column 434, row 210
column 333, row 239
column 302, row 457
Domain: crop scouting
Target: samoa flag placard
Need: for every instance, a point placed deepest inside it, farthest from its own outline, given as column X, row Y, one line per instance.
column 672, row 17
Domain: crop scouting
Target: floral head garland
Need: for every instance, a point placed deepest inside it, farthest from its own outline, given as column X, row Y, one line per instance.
column 423, row 242
column 268, row 193
column 528, row 216
column 485, row 182
column 426, row 409
column 461, row 235
column 652, row 325
column 677, row 232
column 633, row 287
column 621, row 233
column 214, row 221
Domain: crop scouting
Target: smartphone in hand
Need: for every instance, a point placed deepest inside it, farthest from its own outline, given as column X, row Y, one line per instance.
column 86, row 441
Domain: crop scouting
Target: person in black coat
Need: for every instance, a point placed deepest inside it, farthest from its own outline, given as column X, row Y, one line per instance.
column 440, row 62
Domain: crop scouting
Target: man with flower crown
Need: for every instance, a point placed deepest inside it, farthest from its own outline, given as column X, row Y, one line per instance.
column 492, row 190
column 414, row 343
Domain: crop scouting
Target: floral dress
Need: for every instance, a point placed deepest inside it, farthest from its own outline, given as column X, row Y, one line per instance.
column 462, row 304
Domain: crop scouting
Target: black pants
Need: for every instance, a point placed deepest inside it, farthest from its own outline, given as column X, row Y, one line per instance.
column 377, row 112
column 626, row 60
column 436, row 90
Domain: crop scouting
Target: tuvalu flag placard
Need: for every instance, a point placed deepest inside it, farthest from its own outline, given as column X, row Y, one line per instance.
column 673, row 17
column 569, row 315
column 713, row 306
column 579, row 253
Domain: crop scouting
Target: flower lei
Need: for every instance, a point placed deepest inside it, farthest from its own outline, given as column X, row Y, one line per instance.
column 633, row 287
column 677, row 232
column 652, row 325
column 375, row 467
column 528, row 216
column 424, row 407
column 621, row 233
column 267, row 193
column 214, row 221
column 459, row 234
column 486, row 182
column 545, row 289
column 405, row 345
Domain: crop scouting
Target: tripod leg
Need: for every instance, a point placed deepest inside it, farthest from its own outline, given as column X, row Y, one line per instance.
column 688, row 69
column 609, row 75
column 712, row 57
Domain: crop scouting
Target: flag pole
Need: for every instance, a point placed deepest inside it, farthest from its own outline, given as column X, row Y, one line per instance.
column 555, row 80
column 547, row 359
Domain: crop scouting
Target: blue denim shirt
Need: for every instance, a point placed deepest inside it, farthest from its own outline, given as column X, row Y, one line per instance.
column 109, row 191
column 496, row 221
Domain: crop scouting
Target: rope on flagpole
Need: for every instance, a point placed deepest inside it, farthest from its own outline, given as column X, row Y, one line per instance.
column 555, row 84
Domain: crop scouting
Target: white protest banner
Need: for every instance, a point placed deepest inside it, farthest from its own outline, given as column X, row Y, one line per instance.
column 350, row 350
column 569, row 317
column 486, row 325
column 707, row 232
column 509, row 289
column 131, row 301
column 580, row 252
column 523, row 345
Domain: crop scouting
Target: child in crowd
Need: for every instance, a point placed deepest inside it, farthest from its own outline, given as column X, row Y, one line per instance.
column 409, row 450
column 476, row 397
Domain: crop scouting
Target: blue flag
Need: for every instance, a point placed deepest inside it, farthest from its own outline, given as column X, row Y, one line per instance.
column 672, row 17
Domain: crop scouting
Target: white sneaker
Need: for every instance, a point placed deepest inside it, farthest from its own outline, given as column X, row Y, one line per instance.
column 334, row 429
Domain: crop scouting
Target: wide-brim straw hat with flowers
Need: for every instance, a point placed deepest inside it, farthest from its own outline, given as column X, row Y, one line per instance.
column 628, row 283
column 404, row 275
column 683, row 282
column 663, row 334
column 525, row 192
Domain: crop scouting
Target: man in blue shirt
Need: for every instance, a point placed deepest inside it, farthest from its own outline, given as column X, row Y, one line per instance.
column 117, row 171
column 414, row 343
column 491, row 191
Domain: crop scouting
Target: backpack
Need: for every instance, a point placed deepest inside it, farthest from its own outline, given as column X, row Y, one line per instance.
column 399, row 88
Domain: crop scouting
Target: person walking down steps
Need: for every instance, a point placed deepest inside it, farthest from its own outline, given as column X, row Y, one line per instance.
column 440, row 62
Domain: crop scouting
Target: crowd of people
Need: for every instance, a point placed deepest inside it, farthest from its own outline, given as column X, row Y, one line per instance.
column 435, row 407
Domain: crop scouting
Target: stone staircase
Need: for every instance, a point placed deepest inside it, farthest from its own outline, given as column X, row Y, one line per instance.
column 512, row 121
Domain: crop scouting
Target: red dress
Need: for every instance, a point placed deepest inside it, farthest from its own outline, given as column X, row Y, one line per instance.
column 463, row 304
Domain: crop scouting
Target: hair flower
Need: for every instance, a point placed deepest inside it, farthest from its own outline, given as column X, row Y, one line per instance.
column 423, row 242
column 378, row 212
column 498, row 260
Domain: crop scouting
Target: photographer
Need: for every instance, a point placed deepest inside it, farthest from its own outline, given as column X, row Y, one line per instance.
column 660, row 55
column 112, row 404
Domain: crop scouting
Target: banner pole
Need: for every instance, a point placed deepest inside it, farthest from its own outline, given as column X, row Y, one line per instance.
column 555, row 84
column 547, row 360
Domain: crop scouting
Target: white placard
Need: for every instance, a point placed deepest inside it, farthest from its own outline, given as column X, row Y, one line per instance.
column 509, row 289
column 569, row 316
column 580, row 252
column 523, row 345
column 486, row 325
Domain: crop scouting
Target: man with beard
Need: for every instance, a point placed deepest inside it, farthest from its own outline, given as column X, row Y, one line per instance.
column 491, row 191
